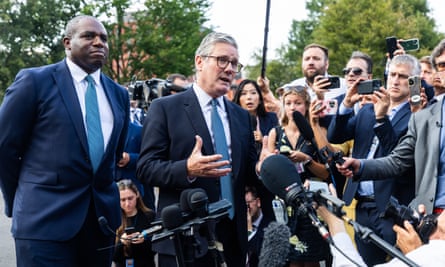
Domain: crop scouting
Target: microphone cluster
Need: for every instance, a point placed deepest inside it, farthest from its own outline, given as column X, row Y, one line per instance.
column 280, row 177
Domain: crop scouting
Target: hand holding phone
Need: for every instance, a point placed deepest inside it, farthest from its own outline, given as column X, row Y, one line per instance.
column 414, row 89
column 369, row 86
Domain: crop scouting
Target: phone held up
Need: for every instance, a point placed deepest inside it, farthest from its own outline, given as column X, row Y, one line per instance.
column 408, row 45
column 335, row 82
column 369, row 86
column 414, row 83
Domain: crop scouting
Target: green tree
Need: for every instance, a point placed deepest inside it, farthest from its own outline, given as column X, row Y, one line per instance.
column 168, row 33
column 31, row 34
column 345, row 26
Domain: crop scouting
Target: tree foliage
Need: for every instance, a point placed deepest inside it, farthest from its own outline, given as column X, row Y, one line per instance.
column 168, row 33
column 31, row 34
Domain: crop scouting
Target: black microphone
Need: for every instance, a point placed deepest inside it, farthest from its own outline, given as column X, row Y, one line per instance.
column 103, row 223
column 304, row 126
column 438, row 124
column 280, row 177
column 275, row 247
column 253, row 122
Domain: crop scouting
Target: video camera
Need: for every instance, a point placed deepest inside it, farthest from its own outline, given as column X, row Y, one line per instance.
column 146, row 91
column 424, row 225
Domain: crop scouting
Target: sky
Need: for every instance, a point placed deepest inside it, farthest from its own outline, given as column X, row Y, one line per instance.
column 245, row 21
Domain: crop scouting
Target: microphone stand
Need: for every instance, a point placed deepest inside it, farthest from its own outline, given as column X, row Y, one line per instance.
column 368, row 235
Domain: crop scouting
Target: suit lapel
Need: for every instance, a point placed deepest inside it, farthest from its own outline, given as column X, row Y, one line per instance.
column 435, row 120
column 235, row 146
column 64, row 82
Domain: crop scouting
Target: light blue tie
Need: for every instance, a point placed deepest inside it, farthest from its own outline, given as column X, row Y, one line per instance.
column 221, row 148
column 94, row 128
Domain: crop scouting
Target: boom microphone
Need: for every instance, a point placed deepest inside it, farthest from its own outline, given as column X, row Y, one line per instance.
column 103, row 223
column 304, row 126
column 275, row 247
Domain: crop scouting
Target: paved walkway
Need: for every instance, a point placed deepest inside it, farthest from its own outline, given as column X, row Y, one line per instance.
column 7, row 252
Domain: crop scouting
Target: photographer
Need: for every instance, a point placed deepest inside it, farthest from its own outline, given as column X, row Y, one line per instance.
column 408, row 241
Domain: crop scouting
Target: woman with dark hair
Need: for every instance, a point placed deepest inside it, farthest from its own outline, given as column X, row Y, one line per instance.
column 248, row 96
column 131, row 249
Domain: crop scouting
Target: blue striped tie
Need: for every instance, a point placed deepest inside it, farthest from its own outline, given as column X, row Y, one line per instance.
column 221, row 148
column 94, row 128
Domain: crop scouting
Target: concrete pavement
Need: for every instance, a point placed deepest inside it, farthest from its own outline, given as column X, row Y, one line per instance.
column 7, row 250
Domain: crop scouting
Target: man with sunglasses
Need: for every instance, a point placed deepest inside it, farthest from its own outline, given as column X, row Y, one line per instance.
column 375, row 128
column 181, row 148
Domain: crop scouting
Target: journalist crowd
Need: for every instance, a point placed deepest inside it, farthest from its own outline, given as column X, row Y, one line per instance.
column 217, row 170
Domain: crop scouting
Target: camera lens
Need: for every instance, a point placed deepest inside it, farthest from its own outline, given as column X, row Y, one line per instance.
column 411, row 82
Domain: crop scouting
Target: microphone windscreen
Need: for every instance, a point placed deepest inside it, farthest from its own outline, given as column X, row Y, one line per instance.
column 303, row 125
column 279, row 175
column 275, row 247
column 198, row 200
column 183, row 200
column 171, row 217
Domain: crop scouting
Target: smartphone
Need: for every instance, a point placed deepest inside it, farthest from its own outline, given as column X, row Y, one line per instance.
column 335, row 82
column 410, row 44
column 285, row 150
column 391, row 45
column 331, row 106
column 130, row 230
column 369, row 86
column 414, row 83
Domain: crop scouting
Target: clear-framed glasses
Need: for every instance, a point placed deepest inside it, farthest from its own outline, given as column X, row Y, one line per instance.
column 223, row 61
column 355, row 71
column 440, row 66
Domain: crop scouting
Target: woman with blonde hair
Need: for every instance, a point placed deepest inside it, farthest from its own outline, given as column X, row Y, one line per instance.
column 307, row 246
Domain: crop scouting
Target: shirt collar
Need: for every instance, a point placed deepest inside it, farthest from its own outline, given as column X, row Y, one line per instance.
column 79, row 74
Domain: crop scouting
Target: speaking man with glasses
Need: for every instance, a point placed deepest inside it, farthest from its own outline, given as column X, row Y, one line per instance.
column 376, row 129
column 182, row 146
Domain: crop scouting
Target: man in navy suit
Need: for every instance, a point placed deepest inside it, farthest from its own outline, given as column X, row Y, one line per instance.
column 51, row 188
column 178, row 151
column 376, row 129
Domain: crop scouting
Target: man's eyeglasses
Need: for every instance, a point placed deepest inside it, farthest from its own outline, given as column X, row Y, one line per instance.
column 223, row 61
column 355, row 71
column 440, row 66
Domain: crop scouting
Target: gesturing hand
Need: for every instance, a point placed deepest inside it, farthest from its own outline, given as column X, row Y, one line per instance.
column 199, row 165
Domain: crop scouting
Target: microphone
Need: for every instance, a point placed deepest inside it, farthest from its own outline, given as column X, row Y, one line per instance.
column 103, row 223
column 275, row 247
column 304, row 126
column 253, row 122
column 438, row 124
column 280, row 177
column 150, row 231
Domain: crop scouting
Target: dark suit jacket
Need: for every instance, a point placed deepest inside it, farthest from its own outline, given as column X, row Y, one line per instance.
column 168, row 139
column 132, row 147
column 46, row 176
column 361, row 129
column 268, row 122
column 256, row 242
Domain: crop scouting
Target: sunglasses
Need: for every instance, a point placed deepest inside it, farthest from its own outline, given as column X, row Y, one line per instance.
column 355, row 71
